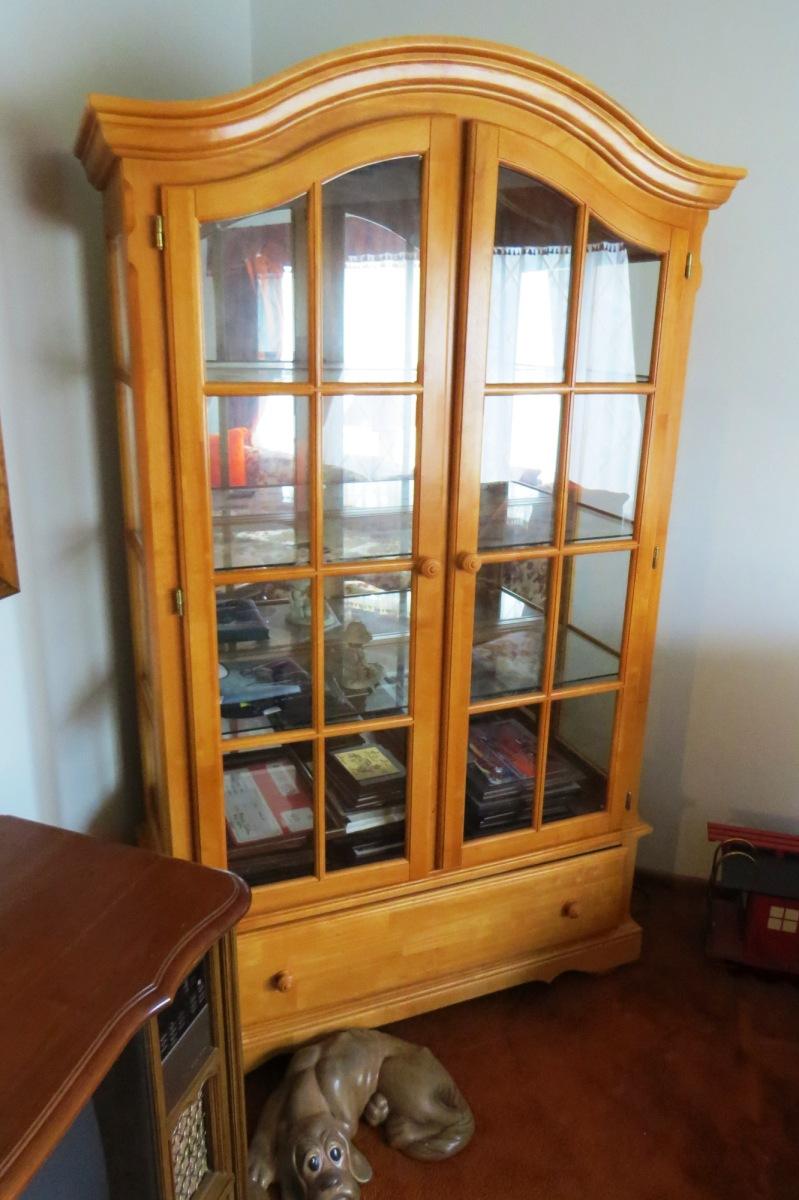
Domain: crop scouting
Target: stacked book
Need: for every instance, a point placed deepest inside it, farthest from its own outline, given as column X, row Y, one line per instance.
column 269, row 816
column 365, row 803
column 500, row 778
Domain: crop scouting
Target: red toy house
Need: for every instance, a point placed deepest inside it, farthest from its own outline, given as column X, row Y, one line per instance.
column 753, row 901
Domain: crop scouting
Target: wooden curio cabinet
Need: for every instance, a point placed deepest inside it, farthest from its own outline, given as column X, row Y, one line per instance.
column 400, row 346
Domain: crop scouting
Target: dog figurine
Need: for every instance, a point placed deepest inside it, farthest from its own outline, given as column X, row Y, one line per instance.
column 304, row 1135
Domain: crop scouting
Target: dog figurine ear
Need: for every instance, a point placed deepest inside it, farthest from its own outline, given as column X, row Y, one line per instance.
column 361, row 1170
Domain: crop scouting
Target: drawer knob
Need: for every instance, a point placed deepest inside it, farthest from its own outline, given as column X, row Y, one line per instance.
column 283, row 981
column 430, row 568
column 572, row 909
column 469, row 563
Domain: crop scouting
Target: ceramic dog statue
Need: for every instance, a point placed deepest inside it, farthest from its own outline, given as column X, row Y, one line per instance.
column 304, row 1135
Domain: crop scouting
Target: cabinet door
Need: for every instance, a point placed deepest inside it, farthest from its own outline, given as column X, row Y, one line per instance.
column 564, row 294
column 310, row 313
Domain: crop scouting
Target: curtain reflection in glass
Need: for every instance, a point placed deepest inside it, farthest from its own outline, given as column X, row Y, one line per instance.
column 531, row 275
column 369, row 457
column 617, row 319
column 519, row 461
column 604, row 460
column 371, row 272
column 254, row 283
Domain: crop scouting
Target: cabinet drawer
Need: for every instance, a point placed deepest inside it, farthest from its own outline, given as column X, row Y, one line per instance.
column 397, row 945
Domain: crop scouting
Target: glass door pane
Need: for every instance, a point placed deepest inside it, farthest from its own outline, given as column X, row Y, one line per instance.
column 365, row 798
column 371, row 230
column 619, row 303
column 521, row 439
column 265, row 658
column 530, row 281
column 369, row 469
column 258, row 467
column 578, row 756
column 269, row 808
column 501, row 771
column 510, row 615
column 254, row 272
column 591, row 617
column 604, row 460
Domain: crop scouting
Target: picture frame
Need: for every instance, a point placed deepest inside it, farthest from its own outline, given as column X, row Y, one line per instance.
column 9, row 576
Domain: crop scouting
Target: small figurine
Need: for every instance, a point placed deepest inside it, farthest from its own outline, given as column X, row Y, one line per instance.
column 358, row 675
column 303, row 1138
column 299, row 605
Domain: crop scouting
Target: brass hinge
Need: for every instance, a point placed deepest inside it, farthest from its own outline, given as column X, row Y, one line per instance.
column 180, row 602
column 689, row 264
column 158, row 231
column 655, row 557
column 628, row 801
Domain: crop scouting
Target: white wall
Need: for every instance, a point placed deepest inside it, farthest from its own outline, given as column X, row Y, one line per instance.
column 717, row 79
column 67, row 737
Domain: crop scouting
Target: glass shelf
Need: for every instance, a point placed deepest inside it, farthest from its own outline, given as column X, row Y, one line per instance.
column 509, row 628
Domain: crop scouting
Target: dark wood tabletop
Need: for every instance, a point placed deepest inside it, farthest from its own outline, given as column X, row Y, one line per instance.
column 94, row 939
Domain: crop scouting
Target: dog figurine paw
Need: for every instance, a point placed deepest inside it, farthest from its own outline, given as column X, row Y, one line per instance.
column 304, row 1135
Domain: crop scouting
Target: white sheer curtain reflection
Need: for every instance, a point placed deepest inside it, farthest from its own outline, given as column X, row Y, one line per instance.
column 607, row 430
column 527, row 334
column 529, row 310
column 606, row 346
column 381, row 315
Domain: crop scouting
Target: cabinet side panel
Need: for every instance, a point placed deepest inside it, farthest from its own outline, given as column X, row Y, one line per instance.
column 679, row 296
column 137, row 299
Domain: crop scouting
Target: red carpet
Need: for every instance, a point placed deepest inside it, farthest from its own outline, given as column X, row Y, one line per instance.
column 672, row 1078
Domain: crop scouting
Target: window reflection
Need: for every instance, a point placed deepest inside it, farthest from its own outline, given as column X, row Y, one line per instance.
column 254, row 283
column 617, row 319
column 371, row 272
column 530, row 279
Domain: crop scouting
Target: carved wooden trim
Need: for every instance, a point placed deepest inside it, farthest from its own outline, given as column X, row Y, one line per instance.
column 9, row 576
column 114, row 127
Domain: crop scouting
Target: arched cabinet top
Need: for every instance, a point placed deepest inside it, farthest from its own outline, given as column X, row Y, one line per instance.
column 331, row 92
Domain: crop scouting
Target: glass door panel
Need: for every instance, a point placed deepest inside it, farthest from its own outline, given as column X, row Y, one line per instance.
column 557, row 387
column 510, row 611
column 265, row 657
column 258, row 468
column 501, row 771
column 530, row 281
column 269, row 812
column 578, row 756
column 254, row 273
column 367, row 645
column 369, row 468
column 304, row 408
column 521, row 439
column 365, row 798
column 604, row 462
column 619, row 303
column 591, row 618
column 371, row 222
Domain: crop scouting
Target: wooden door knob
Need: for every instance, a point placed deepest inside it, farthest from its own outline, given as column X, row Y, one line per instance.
column 572, row 909
column 430, row 568
column 469, row 562
column 283, row 981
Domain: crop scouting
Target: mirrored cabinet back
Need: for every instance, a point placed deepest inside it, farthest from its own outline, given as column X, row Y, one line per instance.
column 400, row 338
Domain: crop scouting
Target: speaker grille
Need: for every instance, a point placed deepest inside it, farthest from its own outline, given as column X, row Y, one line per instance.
column 189, row 1151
